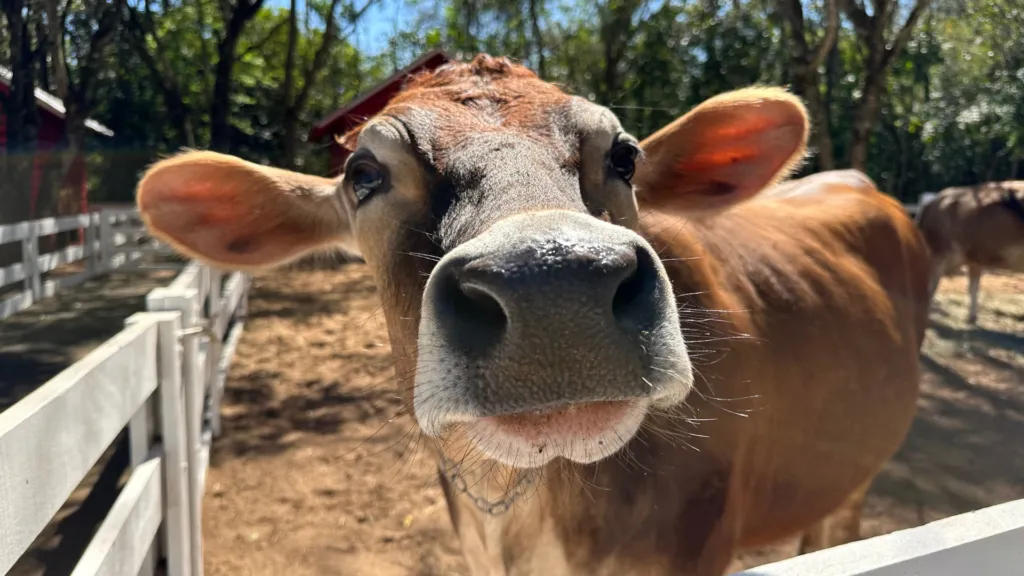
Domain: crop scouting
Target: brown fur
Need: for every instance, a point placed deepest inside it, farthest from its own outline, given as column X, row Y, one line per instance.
column 827, row 368
column 488, row 94
column 804, row 309
column 971, row 226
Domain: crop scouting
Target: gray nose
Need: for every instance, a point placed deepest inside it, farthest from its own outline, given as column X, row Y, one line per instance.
column 546, row 288
column 553, row 312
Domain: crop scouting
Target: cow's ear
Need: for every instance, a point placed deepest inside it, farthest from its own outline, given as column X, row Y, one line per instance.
column 725, row 150
column 239, row 215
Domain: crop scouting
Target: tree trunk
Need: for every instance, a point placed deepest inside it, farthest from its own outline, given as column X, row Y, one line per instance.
column 291, row 138
column 831, row 78
column 58, row 158
column 77, row 96
column 865, row 117
column 804, row 64
column 821, row 136
column 881, row 53
column 220, row 103
column 805, row 84
column 291, row 120
column 42, row 38
column 538, row 39
column 178, row 111
column 611, row 59
column 295, row 106
column 616, row 24
column 237, row 16
column 22, row 116
column 22, row 121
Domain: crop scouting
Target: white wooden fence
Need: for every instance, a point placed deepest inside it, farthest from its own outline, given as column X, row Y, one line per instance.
column 987, row 542
column 111, row 241
column 162, row 377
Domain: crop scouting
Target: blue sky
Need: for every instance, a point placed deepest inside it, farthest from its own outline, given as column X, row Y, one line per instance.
column 379, row 23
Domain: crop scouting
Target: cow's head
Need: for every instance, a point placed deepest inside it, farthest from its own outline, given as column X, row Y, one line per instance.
column 499, row 216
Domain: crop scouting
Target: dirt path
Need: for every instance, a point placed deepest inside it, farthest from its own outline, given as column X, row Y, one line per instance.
column 310, row 477
column 316, row 476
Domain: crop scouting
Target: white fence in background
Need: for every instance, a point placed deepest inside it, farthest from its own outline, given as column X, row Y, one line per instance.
column 113, row 239
column 925, row 198
column 162, row 377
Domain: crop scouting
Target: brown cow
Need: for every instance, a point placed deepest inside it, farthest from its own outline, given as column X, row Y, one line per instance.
column 979, row 226
column 553, row 339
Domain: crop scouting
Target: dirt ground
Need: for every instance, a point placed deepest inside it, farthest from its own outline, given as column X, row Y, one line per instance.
column 316, row 475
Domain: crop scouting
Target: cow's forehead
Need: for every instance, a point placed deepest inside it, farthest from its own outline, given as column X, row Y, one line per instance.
column 441, row 110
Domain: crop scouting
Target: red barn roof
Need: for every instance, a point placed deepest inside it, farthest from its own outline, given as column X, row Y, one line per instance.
column 51, row 104
column 373, row 101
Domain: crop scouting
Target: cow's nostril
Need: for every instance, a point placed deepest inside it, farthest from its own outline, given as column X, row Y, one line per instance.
column 475, row 308
column 476, row 302
column 633, row 296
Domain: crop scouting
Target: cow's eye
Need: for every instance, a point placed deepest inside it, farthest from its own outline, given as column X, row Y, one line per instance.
column 366, row 177
column 622, row 159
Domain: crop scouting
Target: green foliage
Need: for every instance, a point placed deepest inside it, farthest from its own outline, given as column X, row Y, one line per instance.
column 952, row 112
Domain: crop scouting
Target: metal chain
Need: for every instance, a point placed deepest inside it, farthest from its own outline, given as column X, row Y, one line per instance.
column 526, row 478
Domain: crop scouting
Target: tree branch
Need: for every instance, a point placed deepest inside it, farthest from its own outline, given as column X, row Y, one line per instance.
column 262, row 41
column 793, row 13
column 862, row 23
column 226, row 9
column 903, row 36
column 100, row 39
column 160, row 70
column 54, row 20
column 831, row 33
column 320, row 58
column 137, row 33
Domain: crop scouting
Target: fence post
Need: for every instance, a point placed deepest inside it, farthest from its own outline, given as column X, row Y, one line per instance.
column 140, row 440
column 106, row 253
column 92, row 262
column 243, row 306
column 176, row 470
column 217, row 391
column 30, row 261
column 214, row 299
column 187, row 303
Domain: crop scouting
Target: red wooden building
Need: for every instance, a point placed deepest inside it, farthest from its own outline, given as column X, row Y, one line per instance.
column 51, row 130
column 367, row 105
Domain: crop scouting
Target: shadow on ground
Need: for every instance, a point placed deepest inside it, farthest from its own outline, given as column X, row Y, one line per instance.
column 965, row 449
column 37, row 343
column 314, row 381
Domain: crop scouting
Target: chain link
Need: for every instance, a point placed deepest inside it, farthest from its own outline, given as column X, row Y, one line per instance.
column 524, row 480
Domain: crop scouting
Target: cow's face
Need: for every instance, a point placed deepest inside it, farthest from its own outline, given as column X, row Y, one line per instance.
column 529, row 319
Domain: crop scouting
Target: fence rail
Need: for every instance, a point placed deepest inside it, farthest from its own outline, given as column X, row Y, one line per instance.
column 161, row 378
column 988, row 542
column 110, row 239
